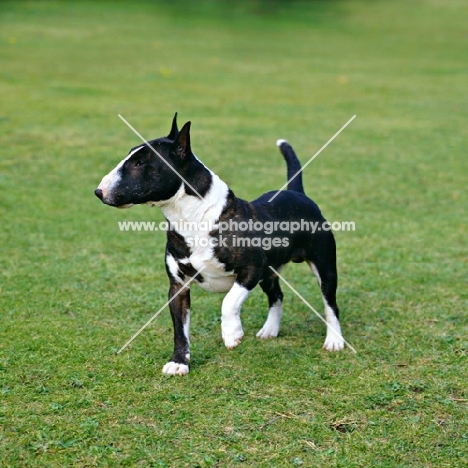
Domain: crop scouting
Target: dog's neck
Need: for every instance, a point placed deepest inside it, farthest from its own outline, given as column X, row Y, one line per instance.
column 192, row 208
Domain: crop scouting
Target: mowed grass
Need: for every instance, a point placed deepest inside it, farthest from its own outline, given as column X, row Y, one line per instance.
column 73, row 288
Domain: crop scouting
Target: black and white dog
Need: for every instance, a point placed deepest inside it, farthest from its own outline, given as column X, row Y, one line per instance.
column 167, row 174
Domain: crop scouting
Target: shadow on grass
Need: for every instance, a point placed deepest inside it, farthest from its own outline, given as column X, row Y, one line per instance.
column 225, row 10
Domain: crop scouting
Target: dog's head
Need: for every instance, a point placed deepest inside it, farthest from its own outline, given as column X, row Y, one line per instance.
column 149, row 173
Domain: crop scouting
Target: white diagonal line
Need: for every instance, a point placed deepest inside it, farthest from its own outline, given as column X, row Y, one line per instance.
column 160, row 310
column 313, row 157
column 311, row 308
column 157, row 154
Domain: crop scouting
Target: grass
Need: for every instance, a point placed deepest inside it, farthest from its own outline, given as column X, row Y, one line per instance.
column 73, row 288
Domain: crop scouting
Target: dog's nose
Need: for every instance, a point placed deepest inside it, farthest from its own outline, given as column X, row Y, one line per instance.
column 98, row 193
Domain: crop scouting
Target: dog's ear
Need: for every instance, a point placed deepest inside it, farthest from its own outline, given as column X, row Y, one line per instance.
column 182, row 144
column 174, row 130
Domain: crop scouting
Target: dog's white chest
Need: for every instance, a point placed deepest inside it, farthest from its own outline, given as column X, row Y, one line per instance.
column 215, row 278
column 219, row 284
column 195, row 219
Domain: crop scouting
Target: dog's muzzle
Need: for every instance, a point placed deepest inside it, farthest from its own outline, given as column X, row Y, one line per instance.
column 98, row 193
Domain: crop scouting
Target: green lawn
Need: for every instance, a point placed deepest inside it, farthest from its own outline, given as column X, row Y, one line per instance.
column 73, row 288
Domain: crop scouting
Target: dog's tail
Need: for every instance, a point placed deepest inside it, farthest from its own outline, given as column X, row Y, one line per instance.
column 293, row 166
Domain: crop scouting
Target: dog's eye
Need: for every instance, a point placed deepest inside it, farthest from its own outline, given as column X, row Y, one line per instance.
column 138, row 163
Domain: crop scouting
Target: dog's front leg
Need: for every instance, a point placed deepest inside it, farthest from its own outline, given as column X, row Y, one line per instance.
column 231, row 326
column 180, row 313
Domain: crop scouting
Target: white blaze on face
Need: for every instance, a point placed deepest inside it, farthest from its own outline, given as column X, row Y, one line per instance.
column 111, row 180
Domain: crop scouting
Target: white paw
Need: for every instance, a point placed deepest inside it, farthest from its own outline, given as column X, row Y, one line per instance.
column 268, row 331
column 174, row 368
column 333, row 342
column 232, row 341
column 232, row 334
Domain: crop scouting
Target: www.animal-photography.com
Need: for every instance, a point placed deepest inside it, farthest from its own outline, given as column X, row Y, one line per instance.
column 233, row 233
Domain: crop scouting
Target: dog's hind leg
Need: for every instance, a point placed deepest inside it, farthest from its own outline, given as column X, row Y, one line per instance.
column 328, row 280
column 272, row 289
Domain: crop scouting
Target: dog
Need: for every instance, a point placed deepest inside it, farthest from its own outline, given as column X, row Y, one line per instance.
column 166, row 173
